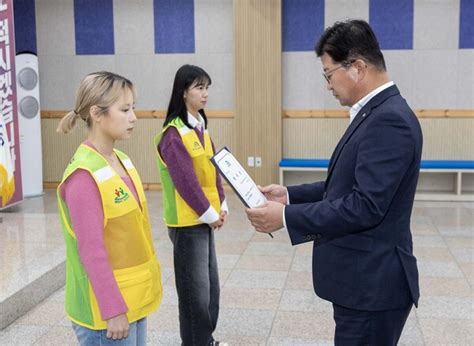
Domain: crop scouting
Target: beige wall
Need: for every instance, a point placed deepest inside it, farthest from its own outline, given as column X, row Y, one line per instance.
column 444, row 139
column 59, row 148
column 257, row 30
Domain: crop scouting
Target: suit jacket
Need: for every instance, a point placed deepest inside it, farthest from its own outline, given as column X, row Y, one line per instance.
column 359, row 218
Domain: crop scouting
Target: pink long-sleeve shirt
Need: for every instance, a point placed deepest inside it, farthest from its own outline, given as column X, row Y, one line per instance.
column 82, row 197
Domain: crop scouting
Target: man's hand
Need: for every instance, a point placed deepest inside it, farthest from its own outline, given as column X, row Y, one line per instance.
column 266, row 218
column 117, row 327
column 275, row 193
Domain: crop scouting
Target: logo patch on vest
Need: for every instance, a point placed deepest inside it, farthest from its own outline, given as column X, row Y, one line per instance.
column 120, row 195
column 196, row 146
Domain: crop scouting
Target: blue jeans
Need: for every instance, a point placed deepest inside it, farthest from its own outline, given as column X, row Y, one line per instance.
column 89, row 337
column 197, row 283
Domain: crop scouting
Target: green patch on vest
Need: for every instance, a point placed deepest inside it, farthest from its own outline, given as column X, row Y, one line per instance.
column 120, row 195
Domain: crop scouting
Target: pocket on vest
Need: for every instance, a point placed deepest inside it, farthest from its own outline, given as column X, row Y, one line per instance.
column 136, row 288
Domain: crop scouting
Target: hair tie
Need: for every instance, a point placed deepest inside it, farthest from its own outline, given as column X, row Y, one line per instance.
column 77, row 114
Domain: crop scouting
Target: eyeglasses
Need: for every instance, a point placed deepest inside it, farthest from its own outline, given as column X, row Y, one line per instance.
column 327, row 75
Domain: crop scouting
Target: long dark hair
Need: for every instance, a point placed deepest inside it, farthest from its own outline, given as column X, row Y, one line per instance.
column 186, row 76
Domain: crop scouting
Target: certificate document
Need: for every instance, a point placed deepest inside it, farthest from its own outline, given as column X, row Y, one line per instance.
column 238, row 178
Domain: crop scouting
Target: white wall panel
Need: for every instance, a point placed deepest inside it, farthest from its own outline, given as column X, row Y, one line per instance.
column 55, row 27
column 213, row 22
column 303, row 84
column 337, row 10
column 133, row 27
column 436, row 24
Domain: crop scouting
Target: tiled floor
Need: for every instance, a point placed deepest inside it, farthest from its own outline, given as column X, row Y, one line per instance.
column 30, row 243
column 267, row 296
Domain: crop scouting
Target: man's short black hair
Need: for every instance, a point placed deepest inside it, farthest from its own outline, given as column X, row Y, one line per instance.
column 351, row 39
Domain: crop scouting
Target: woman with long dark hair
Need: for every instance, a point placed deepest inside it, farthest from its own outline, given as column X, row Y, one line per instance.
column 193, row 202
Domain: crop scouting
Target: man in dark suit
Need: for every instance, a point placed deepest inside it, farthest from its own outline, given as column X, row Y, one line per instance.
column 359, row 218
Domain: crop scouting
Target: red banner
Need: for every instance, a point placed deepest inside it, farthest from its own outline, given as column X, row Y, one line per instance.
column 10, row 168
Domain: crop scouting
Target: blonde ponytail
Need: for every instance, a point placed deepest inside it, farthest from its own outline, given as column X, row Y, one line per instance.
column 101, row 89
column 68, row 122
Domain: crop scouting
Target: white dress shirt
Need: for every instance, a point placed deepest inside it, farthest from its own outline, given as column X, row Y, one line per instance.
column 363, row 101
column 196, row 121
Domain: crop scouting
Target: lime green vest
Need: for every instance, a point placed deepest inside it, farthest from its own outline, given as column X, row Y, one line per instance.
column 176, row 212
column 127, row 237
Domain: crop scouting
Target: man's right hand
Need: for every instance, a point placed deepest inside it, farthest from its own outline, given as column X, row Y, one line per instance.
column 117, row 327
column 276, row 193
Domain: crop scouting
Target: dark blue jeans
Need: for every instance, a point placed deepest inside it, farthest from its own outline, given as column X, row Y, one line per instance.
column 197, row 283
column 373, row 328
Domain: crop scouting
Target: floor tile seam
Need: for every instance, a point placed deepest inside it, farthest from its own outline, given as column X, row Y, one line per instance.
column 47, row 250
column 249, row 309
column 50, row 257
column 60, row 241
column 13, row 325
column 20, row 323
column 223, row 307
column 436, row 261
column 451, row 253
column 266, row 270
column 51, row 266
column 445, row 319
column 261, row 270
column 3, row 297
column 419, row 326
column 470, row 295
column 424, row 236
column 280, row 256
column 231, row 271
column 458, row 299
column 450, row 297
column 463, row 248
column 36, row 342
column 419, row 314
column 281, row 297
column 444, row 277
column 16, row 213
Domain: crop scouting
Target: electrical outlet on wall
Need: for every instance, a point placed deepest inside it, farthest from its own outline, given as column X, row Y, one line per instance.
column 250, row 161
column 258, row 161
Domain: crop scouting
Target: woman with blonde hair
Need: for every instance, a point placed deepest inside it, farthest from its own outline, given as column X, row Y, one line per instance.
column 113, row 278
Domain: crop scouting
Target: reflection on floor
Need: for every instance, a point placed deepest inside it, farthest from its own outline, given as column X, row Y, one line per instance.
column 267, row 296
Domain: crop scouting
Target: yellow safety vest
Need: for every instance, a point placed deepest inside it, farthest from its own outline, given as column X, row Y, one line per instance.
column 127, row 238
column 176, row 212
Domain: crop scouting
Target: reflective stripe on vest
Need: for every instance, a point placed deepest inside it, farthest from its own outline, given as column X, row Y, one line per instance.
column 127, row 238
column 176, row 212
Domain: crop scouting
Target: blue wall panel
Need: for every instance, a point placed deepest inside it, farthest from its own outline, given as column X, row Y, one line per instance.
column 392, row 22
column 466, row 24
column 94, row 27
column 25, row 26
column 174, row 26
column 303, row 24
